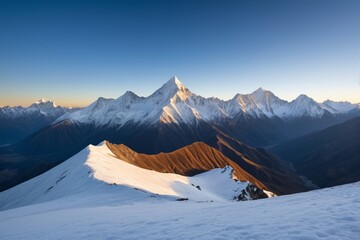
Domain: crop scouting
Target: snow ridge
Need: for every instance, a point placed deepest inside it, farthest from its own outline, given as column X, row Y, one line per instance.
column 96, row 170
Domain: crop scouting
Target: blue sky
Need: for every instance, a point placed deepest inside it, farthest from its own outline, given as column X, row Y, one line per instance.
column 75, row 51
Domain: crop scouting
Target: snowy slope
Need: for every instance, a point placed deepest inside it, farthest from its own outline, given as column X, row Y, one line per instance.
column 322, row 214
column 174, row 103
column 95, row 170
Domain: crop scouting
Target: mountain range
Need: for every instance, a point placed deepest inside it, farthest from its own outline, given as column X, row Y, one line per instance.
column 173, row 119
column 18, row 122
column 174, row 103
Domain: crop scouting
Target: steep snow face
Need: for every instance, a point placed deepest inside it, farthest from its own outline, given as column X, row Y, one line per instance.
column 95, row 170
column 174, row 103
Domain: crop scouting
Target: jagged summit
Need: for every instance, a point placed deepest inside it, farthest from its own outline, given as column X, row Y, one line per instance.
column 262, row 94
column 259, row 90
column 175, row 80
column 171, row 88
column 303, row 97
column 129, row 96
column 305, row 100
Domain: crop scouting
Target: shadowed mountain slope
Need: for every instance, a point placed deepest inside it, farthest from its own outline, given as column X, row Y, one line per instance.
column 329, row 157
column 19, row 122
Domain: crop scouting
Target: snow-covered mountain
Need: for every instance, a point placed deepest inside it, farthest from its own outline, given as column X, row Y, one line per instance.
column 174, row 103
column 96, row 170
column 18, row 122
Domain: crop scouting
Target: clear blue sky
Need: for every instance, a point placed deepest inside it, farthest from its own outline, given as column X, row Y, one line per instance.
column 75, row 51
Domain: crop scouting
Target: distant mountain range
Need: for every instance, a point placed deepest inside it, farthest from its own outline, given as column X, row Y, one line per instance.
column 19, row 122
column 174, row 103
column 172, row 118
column 258, row 119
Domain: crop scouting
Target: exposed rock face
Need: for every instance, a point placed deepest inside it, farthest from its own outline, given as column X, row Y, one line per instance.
column 251, row 192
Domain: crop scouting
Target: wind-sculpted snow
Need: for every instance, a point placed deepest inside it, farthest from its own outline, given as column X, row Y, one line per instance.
column 330, row 213
column 174, row 103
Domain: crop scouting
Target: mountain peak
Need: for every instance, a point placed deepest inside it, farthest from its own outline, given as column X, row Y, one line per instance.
column 171, row 88
column 175, row 82
column 304, row 97
column 129, row 95
column 262, row 94
column 260, row 89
